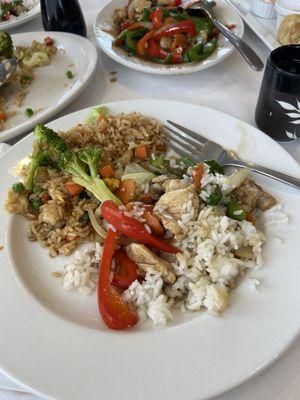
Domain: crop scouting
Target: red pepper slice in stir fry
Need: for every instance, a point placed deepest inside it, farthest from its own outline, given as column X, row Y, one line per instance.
column 157, row 18
column 114, row 311
column 125, row 271
column 186, row 26
column 132, row 228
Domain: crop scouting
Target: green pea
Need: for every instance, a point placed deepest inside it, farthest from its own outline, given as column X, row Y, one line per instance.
column 18, row 187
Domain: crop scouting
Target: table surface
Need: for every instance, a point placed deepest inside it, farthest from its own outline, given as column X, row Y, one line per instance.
column 231, row 87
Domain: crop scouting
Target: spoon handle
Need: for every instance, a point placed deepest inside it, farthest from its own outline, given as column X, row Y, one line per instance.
column 249, row 55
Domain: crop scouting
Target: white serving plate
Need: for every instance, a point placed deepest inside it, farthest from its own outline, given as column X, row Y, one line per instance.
column 22, row 19
column 51, row 90
column 105, row 40
column 56, row 344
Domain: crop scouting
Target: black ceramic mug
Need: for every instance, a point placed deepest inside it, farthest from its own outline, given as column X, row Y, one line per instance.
column 278, row 107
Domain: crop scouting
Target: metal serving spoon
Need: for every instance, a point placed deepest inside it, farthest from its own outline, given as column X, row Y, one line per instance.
column 207, row 6
column 7, row 67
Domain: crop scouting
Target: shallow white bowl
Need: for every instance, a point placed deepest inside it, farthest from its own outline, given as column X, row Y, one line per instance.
column 103, row 26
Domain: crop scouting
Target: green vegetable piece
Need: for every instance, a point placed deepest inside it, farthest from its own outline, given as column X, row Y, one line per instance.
column 72, row 163
column 29, row 112
column 47, row 135
column 130, row 42
column 91, row 156
column 37, row 189
column 145, row 14
column 36, row 203
column 121, row 38
column 158, row 162
column 18, row 187
column 6, row 45
column 209, row 48
column 214, row 167
column 95, row 113
column 187, row 161
column 165, row 13
column 85, row 217
column 69, row 74
column 41, row 158
column 235, row 211
column 215, row 198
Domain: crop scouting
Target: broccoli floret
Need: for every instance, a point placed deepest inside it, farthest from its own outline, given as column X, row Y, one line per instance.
column 91, row 157
column 47, row 135
column 37, row 160
column 6, row 45
column 72, row 163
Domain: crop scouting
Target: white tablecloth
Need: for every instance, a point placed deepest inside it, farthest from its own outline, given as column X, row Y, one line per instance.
column 231, row 87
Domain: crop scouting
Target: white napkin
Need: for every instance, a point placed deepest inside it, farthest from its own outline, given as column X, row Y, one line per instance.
column 6, row 383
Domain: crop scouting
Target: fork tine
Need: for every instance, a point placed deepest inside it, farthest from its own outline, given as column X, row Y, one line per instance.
column 181, row 152
column 183, row 137
column 187, row 131
column 190, row 148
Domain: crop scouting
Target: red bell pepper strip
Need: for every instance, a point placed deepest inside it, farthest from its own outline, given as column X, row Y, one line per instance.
column 154, row 50
column 126, row 270
column 125, row 25
column 176, row 3
column 132, row 228
column 114, row 311
column 157, row 18
column 141, row 44
column 186, row 26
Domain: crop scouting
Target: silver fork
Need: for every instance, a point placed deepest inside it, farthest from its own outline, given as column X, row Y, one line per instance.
column 188, row 143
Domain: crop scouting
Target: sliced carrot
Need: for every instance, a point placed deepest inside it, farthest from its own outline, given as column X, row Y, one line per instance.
column 197, row 175
column 154, row 223
column 126, row 191
column 141, row 44
column 3, row 116
column 141, row 152
column 73, row 188
column 107, row 171
column 249, row 217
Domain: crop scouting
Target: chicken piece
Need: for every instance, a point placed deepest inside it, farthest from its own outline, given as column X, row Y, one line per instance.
column 51, row 213
column 173, row 205
column 174, row 184
column 265, row 201
column 253, row 196
column 16, row 203
column 146, row 259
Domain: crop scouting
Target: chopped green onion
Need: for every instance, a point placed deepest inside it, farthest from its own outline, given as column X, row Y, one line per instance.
column 69, row 74
column 215, row 198
column 235, row 211
column 18, row 187
column 29, row 112
column 214, row 167
column 187, row 161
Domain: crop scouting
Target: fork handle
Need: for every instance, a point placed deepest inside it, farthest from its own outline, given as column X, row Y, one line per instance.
column 279, row 176
column 249, row 55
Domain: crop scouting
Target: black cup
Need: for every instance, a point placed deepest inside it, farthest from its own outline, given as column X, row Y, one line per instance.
column 278, row 107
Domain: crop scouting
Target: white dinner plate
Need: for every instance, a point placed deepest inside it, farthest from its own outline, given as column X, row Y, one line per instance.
column 22, row 19
column 55, row 342
column 103, row 26
column 51, row 90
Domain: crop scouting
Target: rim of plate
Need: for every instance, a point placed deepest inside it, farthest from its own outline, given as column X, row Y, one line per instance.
column 91, row 54
column 53, row 323
column 121, row 57
column 22, row 19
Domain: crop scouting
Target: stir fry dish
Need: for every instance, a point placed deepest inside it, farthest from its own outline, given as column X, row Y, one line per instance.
column 161, row 233
column 163, row 32
column 29, row 58
column 12, row 9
